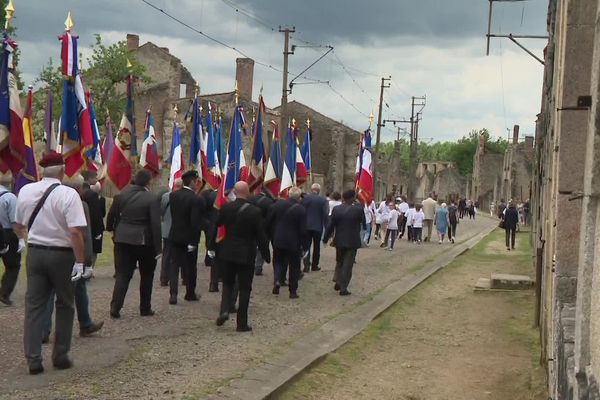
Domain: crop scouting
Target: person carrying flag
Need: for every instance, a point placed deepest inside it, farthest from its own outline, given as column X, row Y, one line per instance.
column 12, row 246
column 236, row 252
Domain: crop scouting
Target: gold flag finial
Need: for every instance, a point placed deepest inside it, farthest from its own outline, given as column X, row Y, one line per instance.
column 371, row 118
column 308, row 122
column 175, row 110
column 237, row 93
column 10, row 12
column 69, row 22
column 129, row 64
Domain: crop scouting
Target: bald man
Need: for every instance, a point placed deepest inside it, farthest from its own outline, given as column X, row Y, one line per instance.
column 236, row 252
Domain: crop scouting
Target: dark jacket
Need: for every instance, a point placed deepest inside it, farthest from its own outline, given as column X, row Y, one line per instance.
column 187, row 212
column 287, row 221
column 97, row 206
column 317, row 210
column 135, row 218
column 511, row 218
column 210, row 212
column 244, row 231
column 346, row 221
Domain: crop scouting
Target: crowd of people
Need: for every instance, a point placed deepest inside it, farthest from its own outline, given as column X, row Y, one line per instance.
column 62, row 223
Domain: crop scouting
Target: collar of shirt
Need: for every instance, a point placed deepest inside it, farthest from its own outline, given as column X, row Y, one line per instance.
column 3, row 189
column 51, row 180
column 188, row 188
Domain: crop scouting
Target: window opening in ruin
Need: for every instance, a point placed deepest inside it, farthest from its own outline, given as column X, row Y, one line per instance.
column 182, row 90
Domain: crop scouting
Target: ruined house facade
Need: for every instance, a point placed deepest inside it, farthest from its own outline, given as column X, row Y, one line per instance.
column 566, row 193
column 517, row 171
column 486, row 179
column 334, row 145
column 441, row 178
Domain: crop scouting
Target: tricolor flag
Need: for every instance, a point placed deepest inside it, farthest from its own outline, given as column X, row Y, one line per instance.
column 29, row 173
column 365, row 178
column 68, row 55
column 12, row 139
column 117, row 163
column 233, row 165
column 257, row 164
column 212, row 170
column 177, row 162
column 301, row 171
column 288, row 178
column 306, row 150
column 149, row 154
column 94, row 155
column 219, row 142
column 196, row 145
column 273, row 172
column 126, row 135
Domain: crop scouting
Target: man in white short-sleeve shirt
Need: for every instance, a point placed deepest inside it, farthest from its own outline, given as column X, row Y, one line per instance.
column 55, row 259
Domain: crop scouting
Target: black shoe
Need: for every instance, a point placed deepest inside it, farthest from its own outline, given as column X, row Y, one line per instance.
column 115, row 314
column 336, row 287
column 246, row 328
column 382, row 245
column 222, row 318
column 172, row 299
column 147, row 313
column 93, row 328
column 191, row 297
column 314, row 269
column 233, row 310
column 46, row 340
column 284, row 283
column 6, row 301
column 213, row 287
column 38, row 369
column 345, row 293
column 294, row 295
column 63, row 364
column 276, row 289
column 163, row 284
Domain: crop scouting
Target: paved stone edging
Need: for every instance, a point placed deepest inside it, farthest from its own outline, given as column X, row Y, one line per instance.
column 269, row 377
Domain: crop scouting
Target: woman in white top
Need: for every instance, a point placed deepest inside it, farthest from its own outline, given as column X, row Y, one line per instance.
column 382, row 214
column 369, row 215
column 335, row 201
column 392, row 228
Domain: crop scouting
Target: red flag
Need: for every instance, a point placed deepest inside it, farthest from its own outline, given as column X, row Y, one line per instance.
column 119, row 168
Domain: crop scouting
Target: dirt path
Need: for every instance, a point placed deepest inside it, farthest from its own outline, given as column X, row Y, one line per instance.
column 180, row 353
column 442, row 341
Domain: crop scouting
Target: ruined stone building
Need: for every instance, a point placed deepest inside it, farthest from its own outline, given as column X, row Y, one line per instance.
column 441, row 178
column 566, row 193
column 486, row 179
column 517, row 171
column 334, row 146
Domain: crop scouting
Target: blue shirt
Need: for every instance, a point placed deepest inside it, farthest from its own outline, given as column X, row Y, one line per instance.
column 8, row 208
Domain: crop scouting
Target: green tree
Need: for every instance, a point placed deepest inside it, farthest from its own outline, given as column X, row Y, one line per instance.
column 104, row 73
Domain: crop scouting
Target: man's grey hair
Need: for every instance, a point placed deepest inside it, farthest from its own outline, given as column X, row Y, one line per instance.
column 315, row 187
column 53, row 171
column 295, row 193
column 75, row 182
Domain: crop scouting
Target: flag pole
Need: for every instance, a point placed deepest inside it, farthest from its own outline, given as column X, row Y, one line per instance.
column 309, row 138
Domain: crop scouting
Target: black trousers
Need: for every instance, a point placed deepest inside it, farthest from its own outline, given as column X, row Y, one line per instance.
column 165, row 264
column 344, row 262
column 12, row 264
column 510, row 237
column 289, row 259
column 315, row 238
column 242, row 274
column 187, row 261
column 127, row 256
column 452, row 229
column 402, row 226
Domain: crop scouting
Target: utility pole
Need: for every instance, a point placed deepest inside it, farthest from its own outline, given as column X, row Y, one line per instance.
column 378, row 138
column 414, row 140
column 285, row 90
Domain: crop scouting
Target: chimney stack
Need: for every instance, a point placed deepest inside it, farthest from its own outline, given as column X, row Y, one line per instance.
column 244, row 75
column 133, row 42
column 515, row 134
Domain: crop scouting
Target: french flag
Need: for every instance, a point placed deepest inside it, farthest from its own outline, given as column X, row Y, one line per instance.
column 273, row 171
column 196, row 147
column 149, row 154
column 12, row 139
column 177, row 162
column 68, row 55
column 288, row 178
column 94, row 155
column 257, row 164
column 365, row 179
column 212, row 169
column 301, row 170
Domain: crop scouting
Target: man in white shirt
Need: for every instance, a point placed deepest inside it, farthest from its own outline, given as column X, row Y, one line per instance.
column 429, row 206
column 54, row 260
column 403, row 208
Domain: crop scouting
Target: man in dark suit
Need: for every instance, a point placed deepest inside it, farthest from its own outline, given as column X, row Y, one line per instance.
column 264, row 201
column 136, row 224
column 210, row 218
column 345, row 222
column 97, row 205
column 236, row 252
column 187, row 209
column 288, row 219
column 317, row 210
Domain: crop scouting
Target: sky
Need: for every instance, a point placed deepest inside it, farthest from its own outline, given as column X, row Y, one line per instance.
column 432, row 48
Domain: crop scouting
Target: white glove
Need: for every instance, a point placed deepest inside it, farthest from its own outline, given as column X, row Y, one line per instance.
column 88, row 272
column 190, row 248
column 21, row 246
column 211, row 253
column 4, row 250
column 98, row 237
column 157, row 257
column 77, row 272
